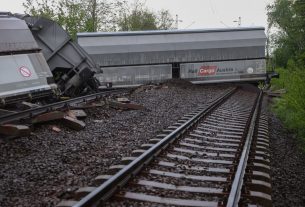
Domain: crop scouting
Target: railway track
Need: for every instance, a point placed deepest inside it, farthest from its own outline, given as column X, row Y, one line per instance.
column 27, row 114
column 215, row 156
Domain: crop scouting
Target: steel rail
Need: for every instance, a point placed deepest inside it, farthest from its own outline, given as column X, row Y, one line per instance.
column 237, row 184
column 58, row 105
column 108, row 188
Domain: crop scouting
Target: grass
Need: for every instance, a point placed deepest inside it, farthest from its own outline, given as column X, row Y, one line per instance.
column 290, row 108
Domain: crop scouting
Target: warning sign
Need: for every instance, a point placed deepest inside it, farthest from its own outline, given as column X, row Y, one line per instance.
column 25, row 72
column 206, row 70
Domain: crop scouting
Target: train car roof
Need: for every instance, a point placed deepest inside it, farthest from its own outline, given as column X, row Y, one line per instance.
column 15, row 35
column 158, row 32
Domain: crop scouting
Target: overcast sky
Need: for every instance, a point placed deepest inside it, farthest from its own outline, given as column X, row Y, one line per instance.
column 195, row 13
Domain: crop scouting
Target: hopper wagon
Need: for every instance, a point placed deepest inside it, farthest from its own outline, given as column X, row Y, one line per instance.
column 25, row 73
column 199, row 56
column 39, row 59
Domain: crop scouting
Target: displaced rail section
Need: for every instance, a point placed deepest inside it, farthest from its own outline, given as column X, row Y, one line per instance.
column 58, row 105
column 215, row 156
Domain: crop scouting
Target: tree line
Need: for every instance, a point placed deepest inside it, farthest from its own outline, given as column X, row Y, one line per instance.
column 287, row 18
column 100, row 15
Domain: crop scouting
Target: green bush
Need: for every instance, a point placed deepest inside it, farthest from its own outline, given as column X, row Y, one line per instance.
column 290, row 108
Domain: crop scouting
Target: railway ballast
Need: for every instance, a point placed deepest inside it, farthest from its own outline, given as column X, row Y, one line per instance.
column 214, row 156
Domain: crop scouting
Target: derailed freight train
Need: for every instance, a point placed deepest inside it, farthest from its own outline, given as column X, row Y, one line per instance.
column 25, row 73
column 72, row 68
column 200, row 56
column 38, row 58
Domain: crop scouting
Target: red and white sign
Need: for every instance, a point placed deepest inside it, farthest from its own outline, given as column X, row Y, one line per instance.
column 25, row 72
column 207, row 70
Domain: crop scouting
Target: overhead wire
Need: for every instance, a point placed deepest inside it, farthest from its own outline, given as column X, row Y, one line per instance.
column 215, row 14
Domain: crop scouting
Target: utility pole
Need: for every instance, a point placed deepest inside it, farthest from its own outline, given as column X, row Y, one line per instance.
column 177, row 22
column 238, row 21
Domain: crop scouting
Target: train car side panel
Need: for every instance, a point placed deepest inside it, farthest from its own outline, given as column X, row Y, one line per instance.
column 225, row 71
column 135, row 75
column 15, row 36
column 25, row 74
column 158, row 47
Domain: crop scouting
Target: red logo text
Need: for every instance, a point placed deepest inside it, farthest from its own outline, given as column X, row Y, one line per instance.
column 206, row 70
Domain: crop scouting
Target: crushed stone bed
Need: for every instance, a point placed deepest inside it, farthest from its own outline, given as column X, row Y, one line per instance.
column 43, row 168
column 287, row 166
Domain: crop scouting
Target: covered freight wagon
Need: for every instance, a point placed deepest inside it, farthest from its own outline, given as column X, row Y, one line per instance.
column 24, row 72
column 202, row 55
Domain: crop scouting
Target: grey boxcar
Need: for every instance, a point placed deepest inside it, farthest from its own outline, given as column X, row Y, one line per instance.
column 236, row 48
column 24, row 72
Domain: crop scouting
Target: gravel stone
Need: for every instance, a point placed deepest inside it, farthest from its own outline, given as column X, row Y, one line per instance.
column 287, row 166
column 48, row 166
